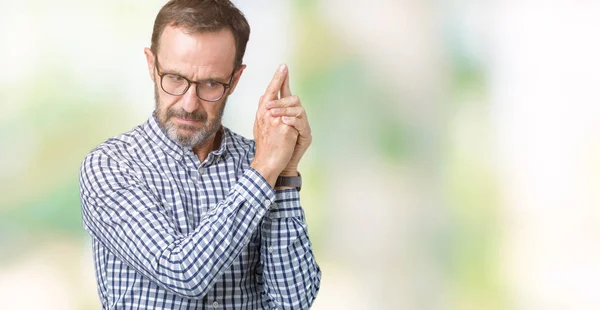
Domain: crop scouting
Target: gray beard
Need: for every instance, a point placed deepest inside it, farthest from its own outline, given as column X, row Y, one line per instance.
column 199, row 136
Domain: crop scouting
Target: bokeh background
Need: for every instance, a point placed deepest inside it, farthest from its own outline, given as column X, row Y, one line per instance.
column 456, row 154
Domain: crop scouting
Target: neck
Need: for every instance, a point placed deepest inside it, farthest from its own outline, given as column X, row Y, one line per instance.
column 212, row 144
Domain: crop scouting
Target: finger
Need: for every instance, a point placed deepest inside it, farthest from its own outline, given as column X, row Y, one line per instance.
column 300, row 124
column 274, row 120
column 291, row 101
column 285, row 89
column 292, row 111
column 278, row 123
column 276, row 83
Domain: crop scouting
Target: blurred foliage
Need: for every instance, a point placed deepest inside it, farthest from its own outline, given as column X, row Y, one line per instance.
column 64, row 120
column 345, row 103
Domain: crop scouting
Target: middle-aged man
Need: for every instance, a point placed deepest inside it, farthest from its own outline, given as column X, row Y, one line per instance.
column 184, row 213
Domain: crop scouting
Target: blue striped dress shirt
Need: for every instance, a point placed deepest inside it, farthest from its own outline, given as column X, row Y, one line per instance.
column 171, row 232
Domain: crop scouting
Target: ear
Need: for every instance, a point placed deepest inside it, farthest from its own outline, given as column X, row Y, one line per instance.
column 150, row 61
column 236, row 78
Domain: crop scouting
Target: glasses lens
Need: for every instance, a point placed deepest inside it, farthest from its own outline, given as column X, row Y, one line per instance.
column 174, row 84
column 210, row 91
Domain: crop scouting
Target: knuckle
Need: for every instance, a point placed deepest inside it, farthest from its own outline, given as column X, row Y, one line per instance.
column 292, row 101
column 297, row 101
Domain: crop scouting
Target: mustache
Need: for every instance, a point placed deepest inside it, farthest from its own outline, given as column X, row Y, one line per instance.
column 198, row 116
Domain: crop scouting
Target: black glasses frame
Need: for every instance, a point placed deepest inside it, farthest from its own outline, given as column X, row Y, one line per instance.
column 189, row 83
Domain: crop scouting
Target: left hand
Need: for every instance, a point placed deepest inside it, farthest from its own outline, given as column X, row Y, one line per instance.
column 289, row 108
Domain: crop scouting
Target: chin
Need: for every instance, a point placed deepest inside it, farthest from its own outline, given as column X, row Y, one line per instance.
column 190, row 138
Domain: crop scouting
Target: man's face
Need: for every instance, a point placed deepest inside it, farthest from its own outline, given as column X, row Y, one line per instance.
column 196, row 56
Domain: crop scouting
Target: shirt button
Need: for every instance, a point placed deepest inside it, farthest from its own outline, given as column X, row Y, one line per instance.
column 215, row 305
column 267, row 203
column 200, row 171
column 270, row 249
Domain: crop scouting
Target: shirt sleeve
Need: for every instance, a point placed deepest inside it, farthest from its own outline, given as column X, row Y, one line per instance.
column 290, row 274
column 122, row 214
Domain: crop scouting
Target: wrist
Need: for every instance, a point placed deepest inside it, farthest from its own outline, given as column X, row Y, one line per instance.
column 289, row 182
column 289, row 172
column 267, row 173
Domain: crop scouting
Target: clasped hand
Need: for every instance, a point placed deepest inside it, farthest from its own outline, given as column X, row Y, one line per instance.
column 281, row 130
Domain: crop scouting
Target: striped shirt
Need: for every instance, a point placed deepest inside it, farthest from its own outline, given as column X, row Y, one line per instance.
column 171, row 232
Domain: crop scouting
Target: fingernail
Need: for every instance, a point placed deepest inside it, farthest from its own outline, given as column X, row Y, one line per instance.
column 286, row 119
column 269, row 104
column 282, row 68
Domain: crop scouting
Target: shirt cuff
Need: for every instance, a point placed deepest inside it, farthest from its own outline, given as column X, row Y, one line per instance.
column 255, row 189
column 287, row 204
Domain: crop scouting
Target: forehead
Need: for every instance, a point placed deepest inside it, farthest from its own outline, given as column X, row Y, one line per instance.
column 194, row 53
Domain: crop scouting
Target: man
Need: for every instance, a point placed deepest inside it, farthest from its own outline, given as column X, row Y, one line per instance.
column 184, row 213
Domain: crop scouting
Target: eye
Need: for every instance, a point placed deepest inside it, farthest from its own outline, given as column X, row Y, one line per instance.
column 211, row 84
column 174, row 78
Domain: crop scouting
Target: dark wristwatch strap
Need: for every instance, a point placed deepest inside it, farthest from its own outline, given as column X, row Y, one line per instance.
column 290, row 181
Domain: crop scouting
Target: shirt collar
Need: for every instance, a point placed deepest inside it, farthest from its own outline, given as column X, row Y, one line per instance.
column 160, row 139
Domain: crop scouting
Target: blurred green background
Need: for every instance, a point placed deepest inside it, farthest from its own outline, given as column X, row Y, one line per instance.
column 456, row 153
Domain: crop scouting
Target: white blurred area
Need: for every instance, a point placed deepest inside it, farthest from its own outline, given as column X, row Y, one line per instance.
column 545, row 78
column 542, row 65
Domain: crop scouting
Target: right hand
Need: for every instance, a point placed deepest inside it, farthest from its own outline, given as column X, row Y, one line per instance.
column 275, row 141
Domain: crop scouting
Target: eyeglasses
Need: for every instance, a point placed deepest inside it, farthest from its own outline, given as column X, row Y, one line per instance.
column 177, row 85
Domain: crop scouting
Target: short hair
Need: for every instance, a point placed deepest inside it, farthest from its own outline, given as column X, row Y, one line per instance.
column 203, row 16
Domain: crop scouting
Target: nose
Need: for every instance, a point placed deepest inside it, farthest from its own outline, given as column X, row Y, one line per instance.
column 190, row 101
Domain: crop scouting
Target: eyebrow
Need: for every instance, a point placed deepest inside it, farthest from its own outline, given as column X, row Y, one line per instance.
column 208, row 79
